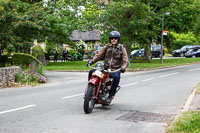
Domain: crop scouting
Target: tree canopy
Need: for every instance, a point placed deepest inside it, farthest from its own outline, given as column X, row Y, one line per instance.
column 52, row 21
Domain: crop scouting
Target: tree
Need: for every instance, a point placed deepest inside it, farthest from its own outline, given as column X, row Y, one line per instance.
column 20, row 24
column 139, row 21
column 132, row 19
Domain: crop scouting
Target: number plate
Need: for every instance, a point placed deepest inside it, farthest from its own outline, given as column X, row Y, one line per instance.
column 97, row 73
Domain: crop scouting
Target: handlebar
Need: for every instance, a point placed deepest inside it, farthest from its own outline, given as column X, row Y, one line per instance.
column 108, row 71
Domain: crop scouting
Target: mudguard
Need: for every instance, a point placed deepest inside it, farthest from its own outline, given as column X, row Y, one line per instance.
column 94, row 80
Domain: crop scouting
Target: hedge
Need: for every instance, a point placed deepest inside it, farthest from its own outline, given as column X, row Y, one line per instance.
column 24, row 59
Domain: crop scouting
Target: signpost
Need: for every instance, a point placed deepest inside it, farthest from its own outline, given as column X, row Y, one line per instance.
column 163, row 33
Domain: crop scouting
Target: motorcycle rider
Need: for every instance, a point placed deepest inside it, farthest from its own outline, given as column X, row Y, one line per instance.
column 115, row 57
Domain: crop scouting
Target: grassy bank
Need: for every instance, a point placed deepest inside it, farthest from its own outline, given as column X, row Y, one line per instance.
column 81, row 65
column 188, row 123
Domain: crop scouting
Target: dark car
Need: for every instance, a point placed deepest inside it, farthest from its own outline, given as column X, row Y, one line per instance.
column 193, row 53
column 156, row 50
column 181, row 52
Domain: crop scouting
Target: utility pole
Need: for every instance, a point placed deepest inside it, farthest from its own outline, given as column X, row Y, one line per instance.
column 163, row 17
column 161, row 57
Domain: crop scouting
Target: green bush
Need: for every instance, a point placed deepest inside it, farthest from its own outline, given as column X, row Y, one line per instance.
column 37, row 51
column 180, row 44
column 72, row 51
column 24, row 59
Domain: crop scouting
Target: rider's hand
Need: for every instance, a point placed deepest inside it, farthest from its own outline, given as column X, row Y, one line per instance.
column 90, row 62
column 122, row 70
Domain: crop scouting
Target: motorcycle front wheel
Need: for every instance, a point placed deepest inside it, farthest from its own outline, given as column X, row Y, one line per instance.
column 89, row 102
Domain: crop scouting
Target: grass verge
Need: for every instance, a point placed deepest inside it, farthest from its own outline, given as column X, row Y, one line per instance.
column 81, row 65
column 188, row 123
column 198, row 89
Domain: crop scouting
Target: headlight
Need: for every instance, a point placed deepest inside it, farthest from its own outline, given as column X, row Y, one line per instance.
column 100, row 65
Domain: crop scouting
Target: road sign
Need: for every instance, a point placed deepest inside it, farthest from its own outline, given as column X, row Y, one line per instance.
column 164, row 32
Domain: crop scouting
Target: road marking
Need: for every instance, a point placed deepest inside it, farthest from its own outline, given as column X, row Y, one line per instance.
column 148, row 79
column 129, row 84
column 168, row 75
column 11, row 110
column 194, row 69
column 73, row 96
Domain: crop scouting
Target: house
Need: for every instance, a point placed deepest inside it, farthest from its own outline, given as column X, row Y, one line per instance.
column 91, row 38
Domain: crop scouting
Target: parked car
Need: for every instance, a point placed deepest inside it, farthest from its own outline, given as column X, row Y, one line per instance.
column 136, row 53
column 156, row 50
column 193, row 53
column 181, row 52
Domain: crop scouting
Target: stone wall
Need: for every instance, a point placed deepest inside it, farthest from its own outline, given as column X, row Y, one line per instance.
column 7, row 76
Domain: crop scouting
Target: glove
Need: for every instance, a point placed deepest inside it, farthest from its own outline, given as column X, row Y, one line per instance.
column 90, row 62
column 122, row 70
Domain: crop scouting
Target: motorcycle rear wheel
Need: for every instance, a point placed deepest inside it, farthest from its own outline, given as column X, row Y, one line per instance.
column 89, row 102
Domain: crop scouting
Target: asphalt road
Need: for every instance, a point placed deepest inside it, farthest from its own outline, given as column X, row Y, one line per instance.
column 146, row 102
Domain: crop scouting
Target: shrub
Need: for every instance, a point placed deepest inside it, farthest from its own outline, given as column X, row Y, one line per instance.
column 30, row 75
column 39, row 53
column 24, row 59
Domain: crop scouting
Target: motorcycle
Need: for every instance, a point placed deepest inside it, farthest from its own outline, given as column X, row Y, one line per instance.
column 99, row 85
column 77, row 57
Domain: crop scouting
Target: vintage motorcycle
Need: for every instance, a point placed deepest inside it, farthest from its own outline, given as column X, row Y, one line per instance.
column 97, row 90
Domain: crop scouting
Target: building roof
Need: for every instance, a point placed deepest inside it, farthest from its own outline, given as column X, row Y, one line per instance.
column 93, row 35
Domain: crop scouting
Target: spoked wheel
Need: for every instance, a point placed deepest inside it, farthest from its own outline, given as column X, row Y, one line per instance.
column 89, row 102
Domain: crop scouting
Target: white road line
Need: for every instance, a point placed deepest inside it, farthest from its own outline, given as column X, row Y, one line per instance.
column 11, row 110
column 168, row 75
column 73, row 96
column 148, row 79
column 194, row 69
column 129, row 84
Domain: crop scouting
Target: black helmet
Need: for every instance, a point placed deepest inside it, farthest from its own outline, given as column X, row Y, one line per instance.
column 114, row 34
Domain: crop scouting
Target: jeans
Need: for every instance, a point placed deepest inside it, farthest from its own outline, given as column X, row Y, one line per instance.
column 116, row 78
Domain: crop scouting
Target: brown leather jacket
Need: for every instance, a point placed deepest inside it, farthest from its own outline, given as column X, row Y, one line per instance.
column 112, row 57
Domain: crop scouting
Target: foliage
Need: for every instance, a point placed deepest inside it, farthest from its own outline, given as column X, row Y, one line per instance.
column 30, row 75
column 25, row 59
column 178, row 40
column 184, row 36
column 80, row 47
column 52, row 21
column 89, row 16
column 132, row 21
column 187, row 123
column 3, row 60
column 37, row 51
column 20, row 24
column 184, row 15
column 139, row 22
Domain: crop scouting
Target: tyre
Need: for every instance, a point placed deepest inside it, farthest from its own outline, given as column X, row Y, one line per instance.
column 89, row 102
